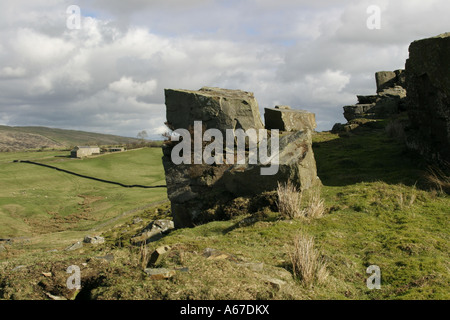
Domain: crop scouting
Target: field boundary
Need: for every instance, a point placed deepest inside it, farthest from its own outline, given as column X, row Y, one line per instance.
column 89, row 177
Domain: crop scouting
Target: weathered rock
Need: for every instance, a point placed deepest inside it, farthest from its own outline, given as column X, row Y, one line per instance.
column 255, row 266
column 108, row 257
column 158, row 255
column 194, row 190
column 75, row 246
column 285, row 119
column 197, row 190
column 359, row 111
column 153, row 231
column 217, row 109
column 214, row 254
column 428, row 98
column 94, row 240
column 296, row 163
column 337, row 127
column 160, row 273
column 277, row 284
column 137, row 220
column 388, row 101
column 54, row 297
column 385, row 79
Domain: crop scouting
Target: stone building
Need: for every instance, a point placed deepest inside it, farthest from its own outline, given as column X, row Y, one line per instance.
column 84, row 151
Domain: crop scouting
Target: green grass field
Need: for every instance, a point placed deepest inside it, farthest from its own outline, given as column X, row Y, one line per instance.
column 380, row 210
column 36, row 200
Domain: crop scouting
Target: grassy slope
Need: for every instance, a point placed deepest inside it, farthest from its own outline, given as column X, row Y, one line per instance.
column 36, row 200
column 380, row 212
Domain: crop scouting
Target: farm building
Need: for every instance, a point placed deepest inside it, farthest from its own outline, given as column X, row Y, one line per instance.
column 84, row 151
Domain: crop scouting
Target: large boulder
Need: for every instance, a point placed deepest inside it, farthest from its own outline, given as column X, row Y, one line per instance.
column 284, row 118
column 217, row 108
column 428, row 99
column 389, row 79
column 198, row 191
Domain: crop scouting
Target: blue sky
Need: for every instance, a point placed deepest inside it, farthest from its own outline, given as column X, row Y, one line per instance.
column 109, row 76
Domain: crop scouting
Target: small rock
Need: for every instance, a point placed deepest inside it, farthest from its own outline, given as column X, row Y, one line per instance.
column 94, row 240
column 158, row 255
column 75, row 246
column 47, row 274
column 54, row 297
column 255, row 266
column 153, row 231
column 160, row 273
column 137, row 220
column 214, row 254
column 186, row 269
column 275, row 283
column 108, row 257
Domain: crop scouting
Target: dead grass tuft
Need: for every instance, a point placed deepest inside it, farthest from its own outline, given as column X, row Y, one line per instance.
column 439, row 178
column 307, row 263
column 289, row 201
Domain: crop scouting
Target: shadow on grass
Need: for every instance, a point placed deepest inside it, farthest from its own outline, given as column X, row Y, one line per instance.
column 366, row 155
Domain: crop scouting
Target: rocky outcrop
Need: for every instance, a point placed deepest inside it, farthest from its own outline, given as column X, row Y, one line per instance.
column 198, row 191
column 428, row 101
column 389, row 99
column 389, row 79
column 217, row 109
column 284, row 118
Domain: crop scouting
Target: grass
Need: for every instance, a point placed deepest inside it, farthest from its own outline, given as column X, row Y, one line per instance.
column 379, row 209
column 307, row 263
column 38, row 201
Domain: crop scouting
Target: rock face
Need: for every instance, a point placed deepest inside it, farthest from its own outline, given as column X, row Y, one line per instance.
column 198, row 192
column 284, row 118
column 217, row 108
column 389, row 99
column 389, row 79
column 428, row 101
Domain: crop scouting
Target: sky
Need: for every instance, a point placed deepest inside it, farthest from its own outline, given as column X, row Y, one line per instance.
column 108, row 73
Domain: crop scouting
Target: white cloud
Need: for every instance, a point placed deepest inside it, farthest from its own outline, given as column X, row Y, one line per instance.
column 110, row 75
column 11, row 72
column 128, row 87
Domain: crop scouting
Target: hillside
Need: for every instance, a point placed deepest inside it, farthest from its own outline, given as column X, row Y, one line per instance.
column 25, row 138
column 380, row 209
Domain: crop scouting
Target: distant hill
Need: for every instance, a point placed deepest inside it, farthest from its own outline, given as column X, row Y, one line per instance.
column 24, row 138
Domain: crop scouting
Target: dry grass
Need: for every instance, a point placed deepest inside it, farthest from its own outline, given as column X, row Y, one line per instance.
column 316, row 208
column 439, row 178
column 143, row 255
column 307, row 263
column 289, row 201
column 403, row 200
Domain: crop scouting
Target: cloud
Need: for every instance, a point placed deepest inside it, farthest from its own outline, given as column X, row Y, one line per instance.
column 110, row 75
